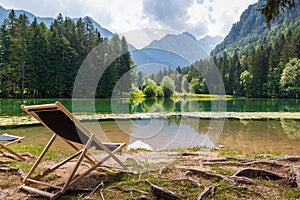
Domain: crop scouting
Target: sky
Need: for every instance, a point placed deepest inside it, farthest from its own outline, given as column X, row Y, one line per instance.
column 199, row 17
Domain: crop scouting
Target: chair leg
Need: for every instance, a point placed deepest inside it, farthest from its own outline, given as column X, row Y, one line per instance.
column 95, row 166
column 82, row 155
column 40, row 158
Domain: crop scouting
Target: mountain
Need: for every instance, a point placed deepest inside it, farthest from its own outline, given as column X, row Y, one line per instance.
column 208, row 43
column 173, row 51
column 48, row 20
column 184, row 45
column 252, row 30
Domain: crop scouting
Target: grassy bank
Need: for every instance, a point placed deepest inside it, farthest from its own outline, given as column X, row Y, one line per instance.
column 210, row 174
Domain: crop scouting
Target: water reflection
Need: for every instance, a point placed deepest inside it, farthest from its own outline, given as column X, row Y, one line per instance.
column 176, row 132
column 172, row 133
column 12, row 106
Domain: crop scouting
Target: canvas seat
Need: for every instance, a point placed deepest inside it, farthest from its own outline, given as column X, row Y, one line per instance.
column 9, row 140
column 63, row 124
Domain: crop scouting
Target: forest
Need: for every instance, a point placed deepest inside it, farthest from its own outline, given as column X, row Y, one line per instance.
column 268, row 71
column 37, row 61
column 41, row 62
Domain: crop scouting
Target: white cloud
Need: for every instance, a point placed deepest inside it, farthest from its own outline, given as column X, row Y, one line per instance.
column 199, row 17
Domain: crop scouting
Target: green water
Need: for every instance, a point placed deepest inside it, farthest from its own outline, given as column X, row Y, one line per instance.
column 172, row 133
column 12, row 106
column 176, row 132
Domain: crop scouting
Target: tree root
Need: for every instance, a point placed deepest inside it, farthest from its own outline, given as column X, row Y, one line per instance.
column 255, row 162
column 294, row 177
column 206, row 192
column 289, row 158
column 258, row 173
column 162, row 193
column 230, row 179
column 130, row 190
column 13, row 170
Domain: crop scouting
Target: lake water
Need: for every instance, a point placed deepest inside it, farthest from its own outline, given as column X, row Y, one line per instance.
column 12, row 106
column 246, row 135
column 178, row 132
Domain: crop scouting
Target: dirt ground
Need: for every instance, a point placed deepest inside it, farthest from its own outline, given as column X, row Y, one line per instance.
column 191, row 175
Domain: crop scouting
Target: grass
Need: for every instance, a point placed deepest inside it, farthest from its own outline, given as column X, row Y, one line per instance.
column 266, row 155
column 229, row 153
column 292, row 193
column 124, row 185
column 35, row 150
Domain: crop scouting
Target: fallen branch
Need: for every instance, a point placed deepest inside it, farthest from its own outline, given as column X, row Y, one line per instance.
column 258, row 173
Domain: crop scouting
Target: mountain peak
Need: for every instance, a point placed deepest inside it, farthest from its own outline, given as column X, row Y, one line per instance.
column 189, row 35
column 48, row 20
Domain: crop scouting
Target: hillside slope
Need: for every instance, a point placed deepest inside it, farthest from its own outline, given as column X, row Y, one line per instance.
column 251, row 30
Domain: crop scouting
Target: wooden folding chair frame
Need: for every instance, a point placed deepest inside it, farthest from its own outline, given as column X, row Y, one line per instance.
column 5, row 146
column 80, row 153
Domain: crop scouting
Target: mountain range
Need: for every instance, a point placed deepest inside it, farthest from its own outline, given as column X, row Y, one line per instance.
column 173, row 50
column 170, row 51
column 48, row 20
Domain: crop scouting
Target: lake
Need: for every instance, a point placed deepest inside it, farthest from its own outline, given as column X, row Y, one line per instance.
column 12, row 106
column 173, row 132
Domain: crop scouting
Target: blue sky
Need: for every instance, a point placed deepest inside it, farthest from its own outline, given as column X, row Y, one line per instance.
column 199, row 17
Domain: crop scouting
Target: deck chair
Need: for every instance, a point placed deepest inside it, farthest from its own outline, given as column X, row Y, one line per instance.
column 10, row 139
column 63, row 124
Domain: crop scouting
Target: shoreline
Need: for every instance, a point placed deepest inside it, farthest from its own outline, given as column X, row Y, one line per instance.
column 15, row 121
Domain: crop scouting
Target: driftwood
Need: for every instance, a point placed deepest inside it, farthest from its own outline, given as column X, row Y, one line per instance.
column 162, row 193
column 206, row 192
column 258, row 173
